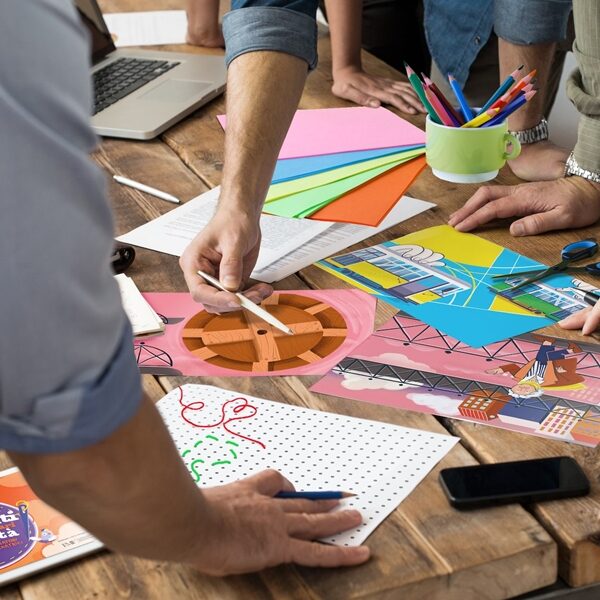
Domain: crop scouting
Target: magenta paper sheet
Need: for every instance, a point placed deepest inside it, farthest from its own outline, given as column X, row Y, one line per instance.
column 327, row 325
column 533, row 384
column 331, row 130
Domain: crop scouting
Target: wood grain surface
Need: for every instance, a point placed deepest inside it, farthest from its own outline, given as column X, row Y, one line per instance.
column 425, row 549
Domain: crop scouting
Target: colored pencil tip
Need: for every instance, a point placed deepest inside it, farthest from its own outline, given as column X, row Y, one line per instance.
column 451, row 77
column 407, row 67
column 530, row 95
column 520, row 68
column 347, row 495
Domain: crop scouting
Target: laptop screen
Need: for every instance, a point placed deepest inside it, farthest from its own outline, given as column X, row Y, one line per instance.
column 91, row 17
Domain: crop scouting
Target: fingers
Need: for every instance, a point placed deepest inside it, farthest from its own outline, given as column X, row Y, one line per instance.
column 479, row 199
column 257, row 293
column 349, row 92
column 318, row 525
column 539, row 223
column 587, row 320
column 301, row 505
column 231, row 267
column 313, row 554
column 269, row 482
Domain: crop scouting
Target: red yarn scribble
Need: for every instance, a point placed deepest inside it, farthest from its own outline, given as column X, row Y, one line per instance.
column 199, row 405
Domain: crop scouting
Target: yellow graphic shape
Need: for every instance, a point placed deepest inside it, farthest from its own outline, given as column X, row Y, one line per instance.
column 383, row 278
column 454, row 245
column 500, row 304
column 356, row 284
column 422, row 297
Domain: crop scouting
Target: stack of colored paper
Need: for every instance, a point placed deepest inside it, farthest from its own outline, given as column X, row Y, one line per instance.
column 347, row 165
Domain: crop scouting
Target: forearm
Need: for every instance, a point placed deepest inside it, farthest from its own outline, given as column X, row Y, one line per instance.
column 131, row 490
column 203, row 14
column 263, row 91
column 345, row 18
column 537, row 56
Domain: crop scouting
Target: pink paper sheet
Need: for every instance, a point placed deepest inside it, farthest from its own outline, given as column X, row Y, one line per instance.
column 331, row 130
column 530, row 384
column 168, row 354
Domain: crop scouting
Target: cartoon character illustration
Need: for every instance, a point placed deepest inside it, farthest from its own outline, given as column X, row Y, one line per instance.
column 552, row 367
column 46, row 536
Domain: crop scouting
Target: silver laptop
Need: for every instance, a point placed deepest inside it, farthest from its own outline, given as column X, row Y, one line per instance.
column 140, row 93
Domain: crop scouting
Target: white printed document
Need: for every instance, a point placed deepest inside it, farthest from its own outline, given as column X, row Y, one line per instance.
column 148, row 28
column 173, row 231
column 288, row 245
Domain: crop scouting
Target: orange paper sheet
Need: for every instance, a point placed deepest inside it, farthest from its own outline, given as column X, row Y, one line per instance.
column 370, row 203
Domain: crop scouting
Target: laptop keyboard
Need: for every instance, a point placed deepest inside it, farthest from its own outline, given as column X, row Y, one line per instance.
column 123, row 76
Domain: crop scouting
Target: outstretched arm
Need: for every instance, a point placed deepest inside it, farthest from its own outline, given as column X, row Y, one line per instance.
column 350, row 81
column 134, row 493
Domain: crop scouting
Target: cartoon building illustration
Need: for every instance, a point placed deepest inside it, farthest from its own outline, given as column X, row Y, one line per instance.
column 587, row 429
column 540, row 298
column 386, row 268
column 483, row 405
column 527, row 412
column 561, row 420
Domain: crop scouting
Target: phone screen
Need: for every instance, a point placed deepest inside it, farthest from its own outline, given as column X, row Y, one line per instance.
column 521, row 481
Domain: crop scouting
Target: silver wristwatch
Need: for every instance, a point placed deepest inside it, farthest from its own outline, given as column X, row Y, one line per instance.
column 539, row 133
column 572, row 168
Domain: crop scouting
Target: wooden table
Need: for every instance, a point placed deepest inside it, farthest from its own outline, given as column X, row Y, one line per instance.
column 425, row 549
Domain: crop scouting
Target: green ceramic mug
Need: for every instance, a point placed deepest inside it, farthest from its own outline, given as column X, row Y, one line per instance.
column 469, row 155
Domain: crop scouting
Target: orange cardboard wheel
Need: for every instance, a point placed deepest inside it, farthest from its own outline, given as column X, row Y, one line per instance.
column 243, row 342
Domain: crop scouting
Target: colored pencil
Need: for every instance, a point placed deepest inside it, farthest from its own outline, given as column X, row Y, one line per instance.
column 482, row 118
column 504, row 87
column 462, row 101
column 445, row 102
column 508, row 110
column 512, row 93
column 414, row 80
column 315, row 495
column 440, row 111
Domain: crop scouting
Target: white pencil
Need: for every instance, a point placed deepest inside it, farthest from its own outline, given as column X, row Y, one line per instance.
column 146, row 188
column 249, row 305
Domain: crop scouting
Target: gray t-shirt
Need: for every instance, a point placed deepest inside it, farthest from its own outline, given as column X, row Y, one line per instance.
column 67, row 373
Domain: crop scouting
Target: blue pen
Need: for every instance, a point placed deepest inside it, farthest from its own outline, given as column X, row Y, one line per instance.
column 508, row 110
column 464, row 105
column 315, row 495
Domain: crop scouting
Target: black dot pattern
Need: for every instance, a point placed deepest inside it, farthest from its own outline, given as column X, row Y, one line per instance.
column 315, row 450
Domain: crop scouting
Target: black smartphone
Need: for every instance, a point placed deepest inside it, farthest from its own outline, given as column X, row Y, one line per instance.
column 521, row 481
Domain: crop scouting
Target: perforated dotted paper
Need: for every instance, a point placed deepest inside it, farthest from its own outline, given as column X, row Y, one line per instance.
column 223, row 436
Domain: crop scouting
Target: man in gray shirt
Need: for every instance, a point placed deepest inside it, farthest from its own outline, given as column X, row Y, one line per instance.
column 73, row 415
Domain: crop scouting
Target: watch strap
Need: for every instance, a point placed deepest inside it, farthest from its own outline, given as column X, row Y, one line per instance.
column 539, row 133
column 572, row 168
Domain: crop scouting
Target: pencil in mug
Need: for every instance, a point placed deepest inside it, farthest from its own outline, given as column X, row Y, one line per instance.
column 446, row 104
column 508, row 110
column 414, row 80
column 462, row 101
column 482, row 118
column 505, row 86
column 514, row 91
column 440, row 111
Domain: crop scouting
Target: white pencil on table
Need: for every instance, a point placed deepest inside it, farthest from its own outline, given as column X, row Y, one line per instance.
column 146, row 188
column 248, row 304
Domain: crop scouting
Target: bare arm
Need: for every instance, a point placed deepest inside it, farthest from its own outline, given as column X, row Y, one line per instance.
column 542, row 160
column 134, row 493
column 263, row 90
column 203, row 23
column 350, row 81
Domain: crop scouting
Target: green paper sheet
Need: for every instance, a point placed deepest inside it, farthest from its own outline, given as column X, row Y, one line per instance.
column 307, row 202
column 295, row 186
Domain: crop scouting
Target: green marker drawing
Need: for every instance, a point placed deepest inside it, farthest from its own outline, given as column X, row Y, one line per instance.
column 193, row 469
column 212, row 437
column 185, row 453
column 220, row 462
column 197, row 443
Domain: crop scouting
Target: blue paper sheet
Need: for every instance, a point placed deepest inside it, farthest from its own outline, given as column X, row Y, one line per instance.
column 292, row 168
column 444, row 278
